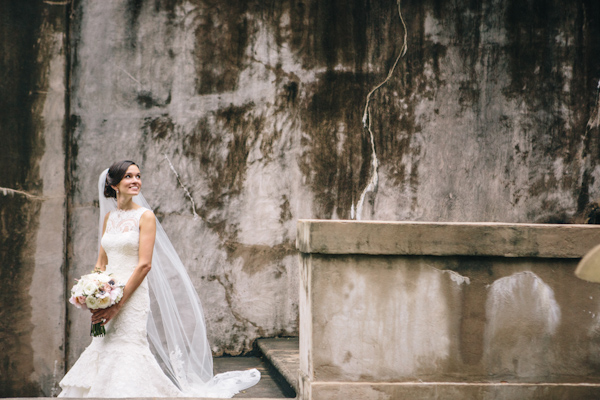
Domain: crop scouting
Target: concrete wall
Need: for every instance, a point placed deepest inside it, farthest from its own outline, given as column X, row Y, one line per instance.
column 253, row 110
column 389, row 310
column 248, row 116
column 32, row 197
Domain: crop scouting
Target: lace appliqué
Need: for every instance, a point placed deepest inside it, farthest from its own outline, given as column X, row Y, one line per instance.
column 121, row 221
column 177, row 362
column 121, row 244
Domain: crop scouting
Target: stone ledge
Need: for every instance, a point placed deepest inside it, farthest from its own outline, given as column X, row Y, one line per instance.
column 450, row 391
column 283, row 354
column 446, row 239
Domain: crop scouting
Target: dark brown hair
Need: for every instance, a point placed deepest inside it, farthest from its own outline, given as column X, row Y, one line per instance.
column 116, row 172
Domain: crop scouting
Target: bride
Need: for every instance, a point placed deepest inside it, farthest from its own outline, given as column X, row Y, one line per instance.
column 160, row 309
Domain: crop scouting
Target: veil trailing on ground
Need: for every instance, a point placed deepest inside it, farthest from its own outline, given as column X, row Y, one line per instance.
column 176, row 327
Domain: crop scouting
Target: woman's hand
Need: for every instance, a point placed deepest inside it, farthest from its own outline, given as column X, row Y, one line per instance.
column 102, row 316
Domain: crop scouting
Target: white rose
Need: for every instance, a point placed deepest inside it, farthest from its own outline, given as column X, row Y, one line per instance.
column 104, row 278
column 91, row 302
column 89, row 287
column 77, row 290
column 88, row 278
column 104, row 302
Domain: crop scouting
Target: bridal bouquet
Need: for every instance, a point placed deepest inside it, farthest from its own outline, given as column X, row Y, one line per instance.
column 94, row 291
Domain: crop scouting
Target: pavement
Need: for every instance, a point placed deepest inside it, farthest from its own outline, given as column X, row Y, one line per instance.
column 277, row 361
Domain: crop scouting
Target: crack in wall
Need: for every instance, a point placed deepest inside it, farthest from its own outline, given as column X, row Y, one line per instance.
column 187, row 192
column 589, row 146
column 366, row 120
column 7, row 191
column 228, row 287
column 276, row 70
column 129, row 75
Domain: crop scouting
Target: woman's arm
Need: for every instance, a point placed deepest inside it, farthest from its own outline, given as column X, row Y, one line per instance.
column 102, row 258
column 147, row 237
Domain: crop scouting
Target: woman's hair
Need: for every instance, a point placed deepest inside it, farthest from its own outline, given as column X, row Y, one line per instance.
column 116, row 172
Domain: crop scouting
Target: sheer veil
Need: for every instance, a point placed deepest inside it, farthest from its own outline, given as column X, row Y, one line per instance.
column 176, row 327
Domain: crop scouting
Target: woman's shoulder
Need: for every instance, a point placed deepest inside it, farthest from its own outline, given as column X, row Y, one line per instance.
column 144, row 212
column 146, row 217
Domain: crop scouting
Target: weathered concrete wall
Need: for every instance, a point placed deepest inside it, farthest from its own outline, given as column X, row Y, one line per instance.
column 258, row 106
column 32, row 197
column 490, row 116
column 380, row 320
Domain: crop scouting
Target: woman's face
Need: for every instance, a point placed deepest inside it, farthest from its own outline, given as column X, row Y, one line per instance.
column 131, row 184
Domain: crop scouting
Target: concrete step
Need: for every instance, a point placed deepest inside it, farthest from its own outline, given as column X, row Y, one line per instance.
column 284, row 355
column 275, row 366
column 278, row 364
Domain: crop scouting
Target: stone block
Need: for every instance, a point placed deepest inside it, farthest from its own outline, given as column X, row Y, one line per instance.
column 446, row 238
column 389, row 310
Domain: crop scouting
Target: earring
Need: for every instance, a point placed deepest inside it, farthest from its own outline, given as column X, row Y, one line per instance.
column 117, row 191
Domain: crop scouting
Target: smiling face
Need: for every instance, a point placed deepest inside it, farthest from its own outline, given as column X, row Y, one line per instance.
column 131, row 184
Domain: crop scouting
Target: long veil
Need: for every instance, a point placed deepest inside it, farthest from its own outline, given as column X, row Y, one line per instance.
column 176, row 327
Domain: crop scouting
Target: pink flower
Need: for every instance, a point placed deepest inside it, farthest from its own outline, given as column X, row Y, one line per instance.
column 78, row 301
column 116, row 294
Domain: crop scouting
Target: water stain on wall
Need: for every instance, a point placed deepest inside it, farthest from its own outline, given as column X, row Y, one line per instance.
column 336, row 157
column 23, row 84
column 217, row 66
column 18, row 225
column 522, row 318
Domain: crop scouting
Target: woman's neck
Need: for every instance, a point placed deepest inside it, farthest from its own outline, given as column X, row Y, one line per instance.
column 125, row 203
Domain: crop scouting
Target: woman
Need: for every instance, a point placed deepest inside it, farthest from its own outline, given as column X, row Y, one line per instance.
column 159, row 303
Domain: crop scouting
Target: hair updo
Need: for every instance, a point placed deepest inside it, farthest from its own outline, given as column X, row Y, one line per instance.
column 115, row 174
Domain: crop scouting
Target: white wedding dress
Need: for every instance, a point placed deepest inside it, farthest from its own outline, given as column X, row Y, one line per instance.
column 121, row 364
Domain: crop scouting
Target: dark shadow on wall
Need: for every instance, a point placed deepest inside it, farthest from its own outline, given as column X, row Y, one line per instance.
column 26, row 29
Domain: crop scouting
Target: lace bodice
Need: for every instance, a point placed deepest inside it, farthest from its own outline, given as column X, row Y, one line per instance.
column 121, row 241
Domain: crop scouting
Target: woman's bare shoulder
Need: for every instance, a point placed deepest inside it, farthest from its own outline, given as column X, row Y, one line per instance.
column 147, row 218
column 148, row 213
